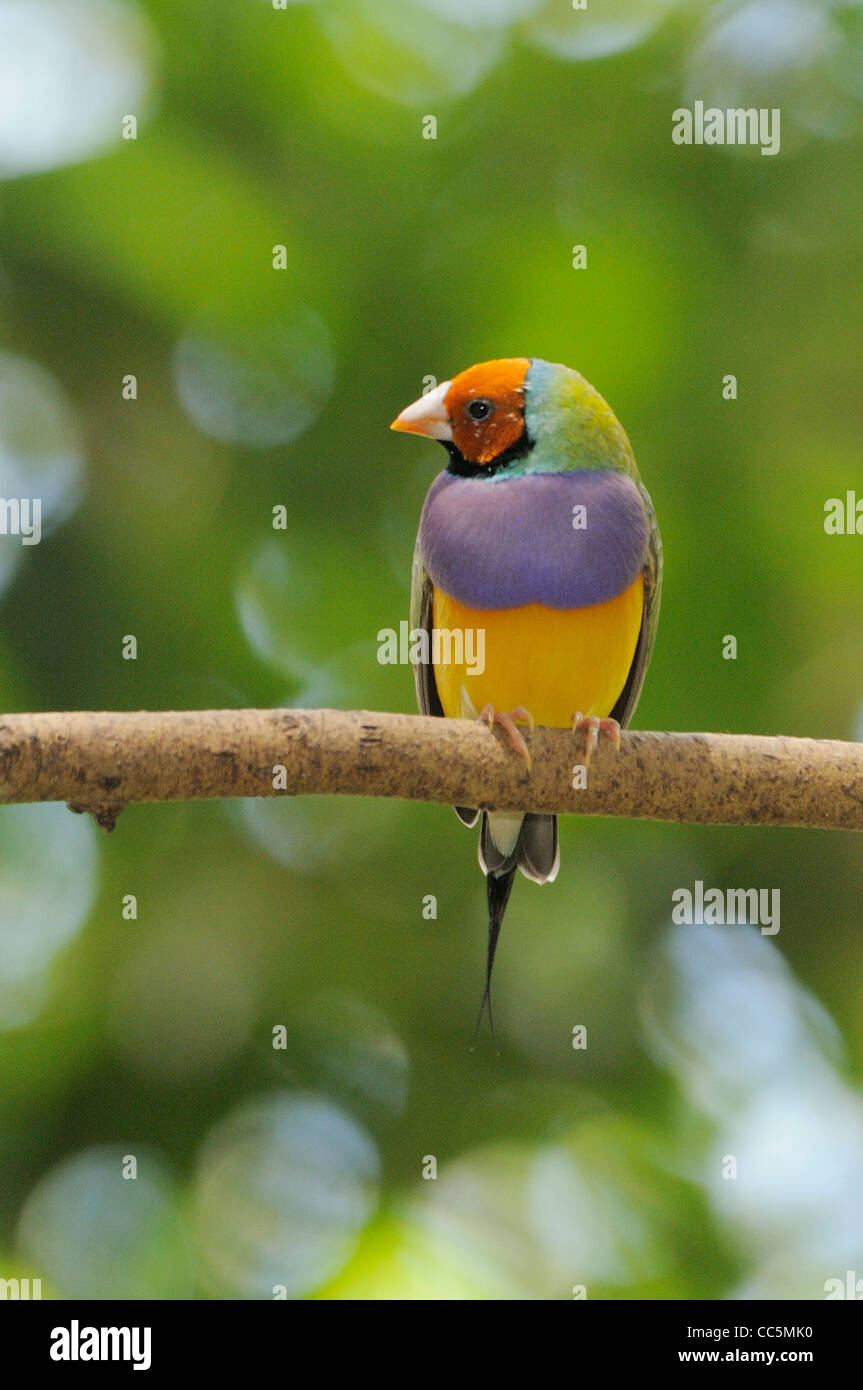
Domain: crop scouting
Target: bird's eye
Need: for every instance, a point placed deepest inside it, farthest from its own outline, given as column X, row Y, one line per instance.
column 480, row 409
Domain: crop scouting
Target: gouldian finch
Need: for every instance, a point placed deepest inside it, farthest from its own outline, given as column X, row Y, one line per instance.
column 540, row 534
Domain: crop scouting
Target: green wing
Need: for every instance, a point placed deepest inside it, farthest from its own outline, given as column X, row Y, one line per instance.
column 428, row 700
column 625, row 707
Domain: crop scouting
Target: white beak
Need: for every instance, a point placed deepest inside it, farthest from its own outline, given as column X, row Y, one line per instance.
column 426, row 416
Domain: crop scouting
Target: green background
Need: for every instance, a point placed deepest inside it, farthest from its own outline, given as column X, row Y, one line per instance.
column 302, row 1168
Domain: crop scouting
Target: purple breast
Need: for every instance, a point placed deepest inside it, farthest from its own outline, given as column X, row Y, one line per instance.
column 566, row 540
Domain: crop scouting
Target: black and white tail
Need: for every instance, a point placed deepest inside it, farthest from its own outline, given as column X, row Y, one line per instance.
column 509, row 841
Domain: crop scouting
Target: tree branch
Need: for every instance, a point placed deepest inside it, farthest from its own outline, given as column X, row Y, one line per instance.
column 102, row 762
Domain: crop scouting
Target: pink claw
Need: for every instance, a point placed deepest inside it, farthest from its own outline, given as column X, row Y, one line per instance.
column 593, row 727
column 490, row 716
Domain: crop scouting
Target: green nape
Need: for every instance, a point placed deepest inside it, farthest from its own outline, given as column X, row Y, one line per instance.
column 570, row 424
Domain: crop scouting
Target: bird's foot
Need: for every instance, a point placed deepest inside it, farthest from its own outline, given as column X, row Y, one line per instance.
column 491, row 716
column 593, row 727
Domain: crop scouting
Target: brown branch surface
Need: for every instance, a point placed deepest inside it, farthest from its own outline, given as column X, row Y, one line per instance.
column 102, row 762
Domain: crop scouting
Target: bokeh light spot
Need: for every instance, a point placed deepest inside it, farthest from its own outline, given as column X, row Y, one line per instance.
column 40, row 452
column 70, row 70
column 97, row 1234
column 48, row 880
column 260, row 385
column 285, row 1186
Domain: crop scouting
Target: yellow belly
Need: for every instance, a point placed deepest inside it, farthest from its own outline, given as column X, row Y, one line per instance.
column 552, row 661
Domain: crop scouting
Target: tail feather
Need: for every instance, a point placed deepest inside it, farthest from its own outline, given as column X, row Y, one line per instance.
column 498, row 888
column 499, row 837
column 506, row 844
column 538, row 850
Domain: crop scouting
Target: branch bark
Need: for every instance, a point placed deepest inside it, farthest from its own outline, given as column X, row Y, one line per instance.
column 102, row 762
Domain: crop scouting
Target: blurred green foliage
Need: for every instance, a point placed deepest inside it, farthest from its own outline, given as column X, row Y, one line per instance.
column 301, row 1168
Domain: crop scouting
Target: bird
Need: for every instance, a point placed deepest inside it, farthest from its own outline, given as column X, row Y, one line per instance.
column 540, row 534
